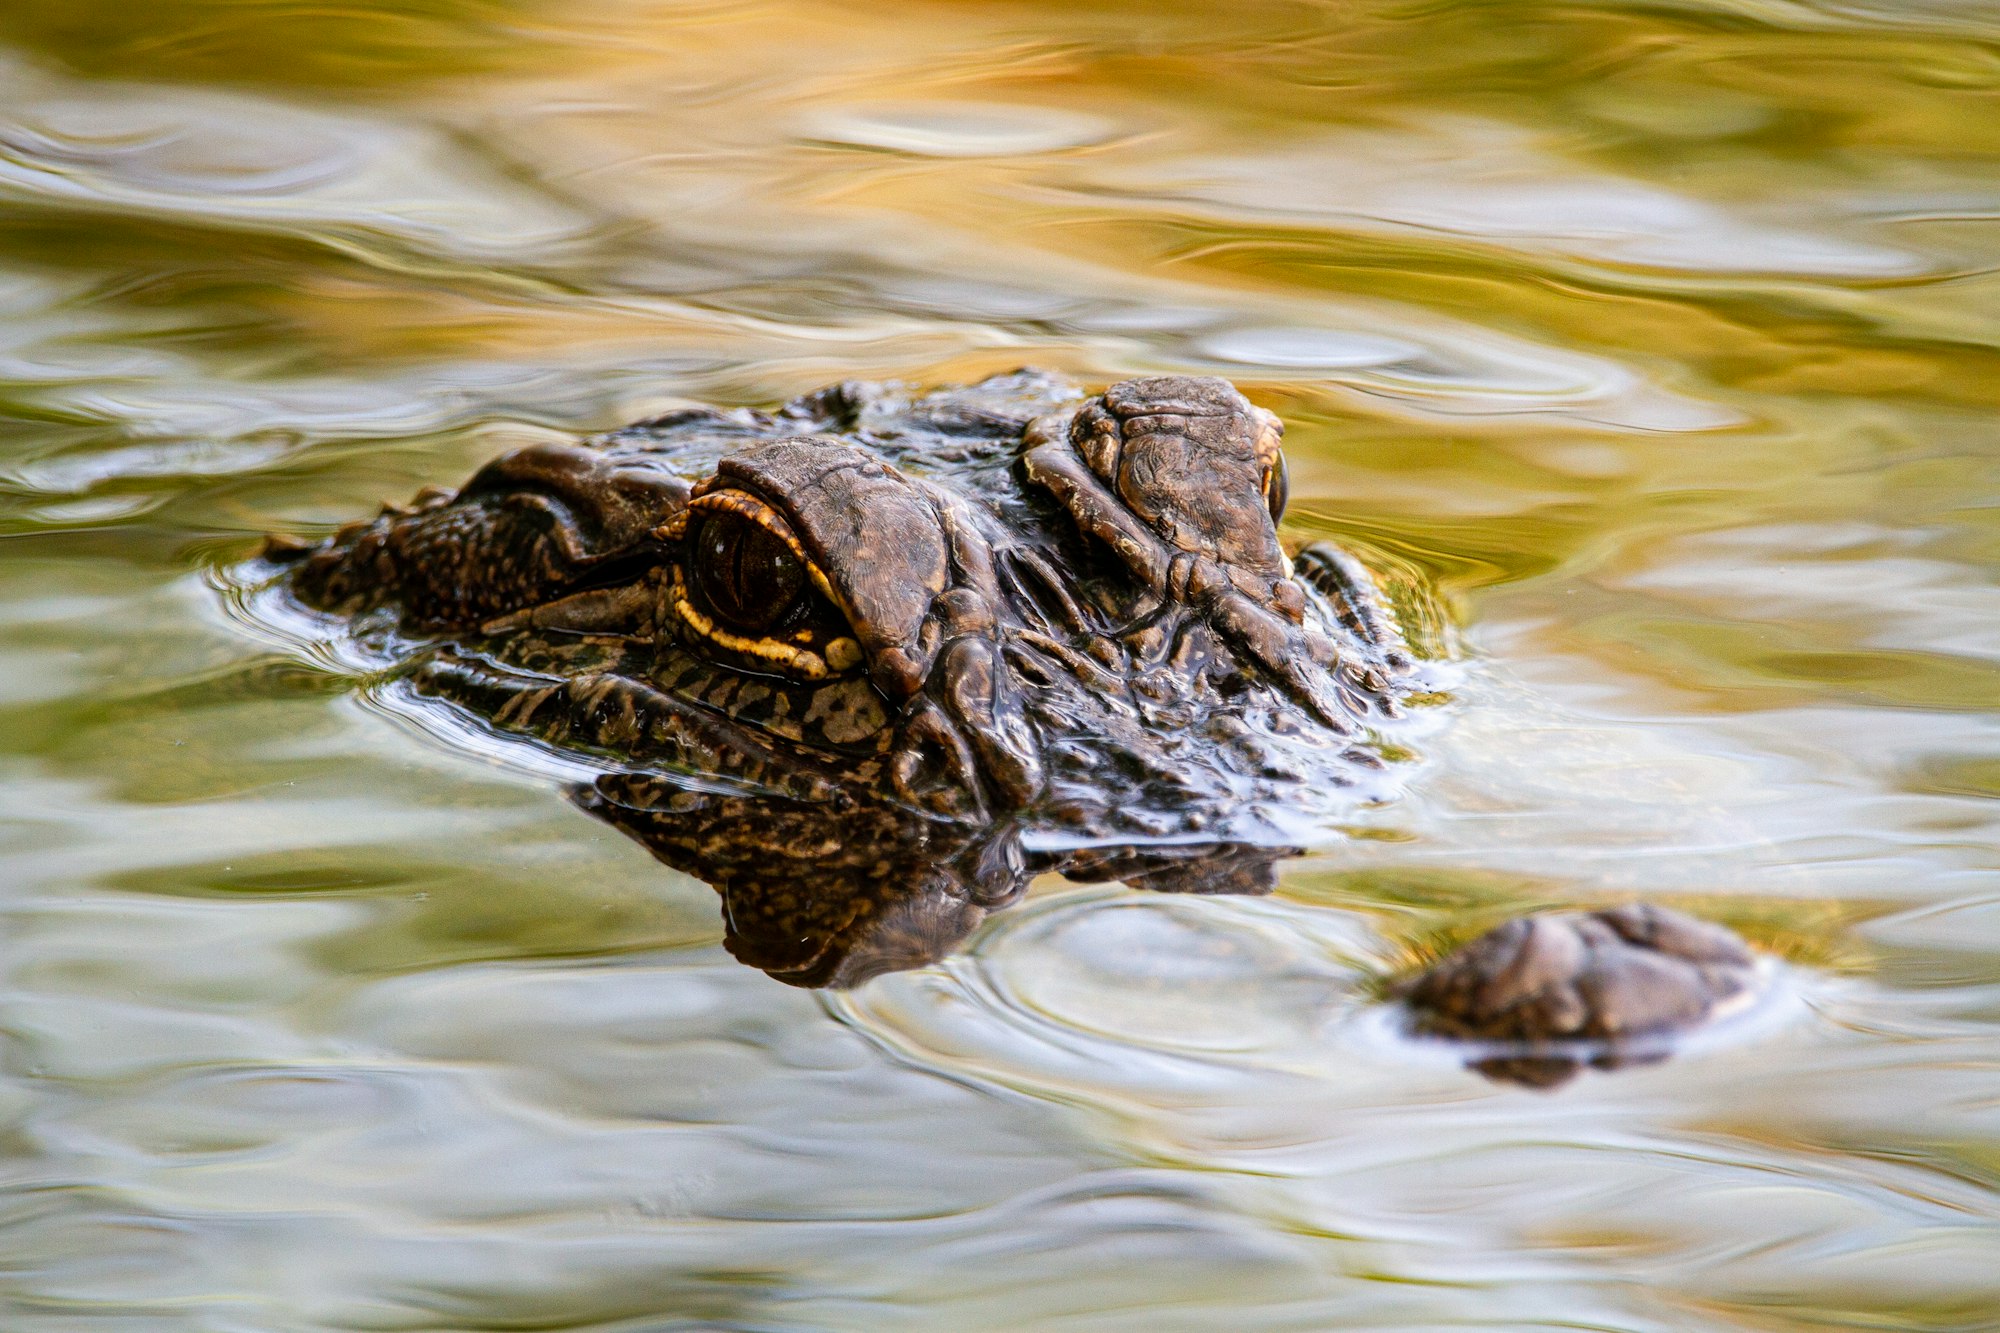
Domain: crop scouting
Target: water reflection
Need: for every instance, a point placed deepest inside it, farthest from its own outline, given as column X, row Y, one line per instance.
column 1661, row 336
column 817, row 896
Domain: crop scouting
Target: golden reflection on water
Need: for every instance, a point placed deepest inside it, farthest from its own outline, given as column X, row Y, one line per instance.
column 1662, row 337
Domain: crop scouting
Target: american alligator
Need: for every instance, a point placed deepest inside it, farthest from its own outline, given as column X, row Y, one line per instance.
column 868, row 663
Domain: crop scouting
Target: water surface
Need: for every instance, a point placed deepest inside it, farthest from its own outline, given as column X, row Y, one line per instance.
column 1663, row 337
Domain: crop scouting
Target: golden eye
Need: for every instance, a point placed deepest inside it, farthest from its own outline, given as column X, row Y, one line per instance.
column 746, row 573
column 745, row 590
column 1278, row 488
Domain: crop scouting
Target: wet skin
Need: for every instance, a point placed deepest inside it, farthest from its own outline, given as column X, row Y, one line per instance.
column 869, row 663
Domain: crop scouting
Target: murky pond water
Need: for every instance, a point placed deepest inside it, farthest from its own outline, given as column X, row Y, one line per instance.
column 1663, row 337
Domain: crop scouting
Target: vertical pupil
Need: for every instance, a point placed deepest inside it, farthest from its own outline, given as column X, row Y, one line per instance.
column 748, row 575
column 1278, row 488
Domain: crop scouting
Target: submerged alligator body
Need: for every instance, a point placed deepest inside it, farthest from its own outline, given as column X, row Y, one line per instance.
column 868, row 663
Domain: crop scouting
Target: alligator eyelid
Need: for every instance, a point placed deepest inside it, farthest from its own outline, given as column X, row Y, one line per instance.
column 613, row 613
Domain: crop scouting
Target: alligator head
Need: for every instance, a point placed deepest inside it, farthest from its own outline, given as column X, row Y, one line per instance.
column 1001, row 603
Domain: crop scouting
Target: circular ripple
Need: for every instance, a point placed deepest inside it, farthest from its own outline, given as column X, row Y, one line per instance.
column 1097, row 992
column 1180, row 974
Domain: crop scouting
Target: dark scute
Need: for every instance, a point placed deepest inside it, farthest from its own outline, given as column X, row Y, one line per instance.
column 748, row 577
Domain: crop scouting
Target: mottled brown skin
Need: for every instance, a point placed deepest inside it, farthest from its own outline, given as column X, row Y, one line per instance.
column 868, row 663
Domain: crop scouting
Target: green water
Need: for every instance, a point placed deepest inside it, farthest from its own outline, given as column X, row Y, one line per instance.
column 1664, row 337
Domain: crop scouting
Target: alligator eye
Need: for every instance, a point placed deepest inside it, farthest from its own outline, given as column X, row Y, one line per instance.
column 744, row 590
column 1278, row 488
column 745, row 572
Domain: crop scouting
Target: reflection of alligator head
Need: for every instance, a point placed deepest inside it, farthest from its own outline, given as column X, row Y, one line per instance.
column 868, row 662
column 831, row 900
